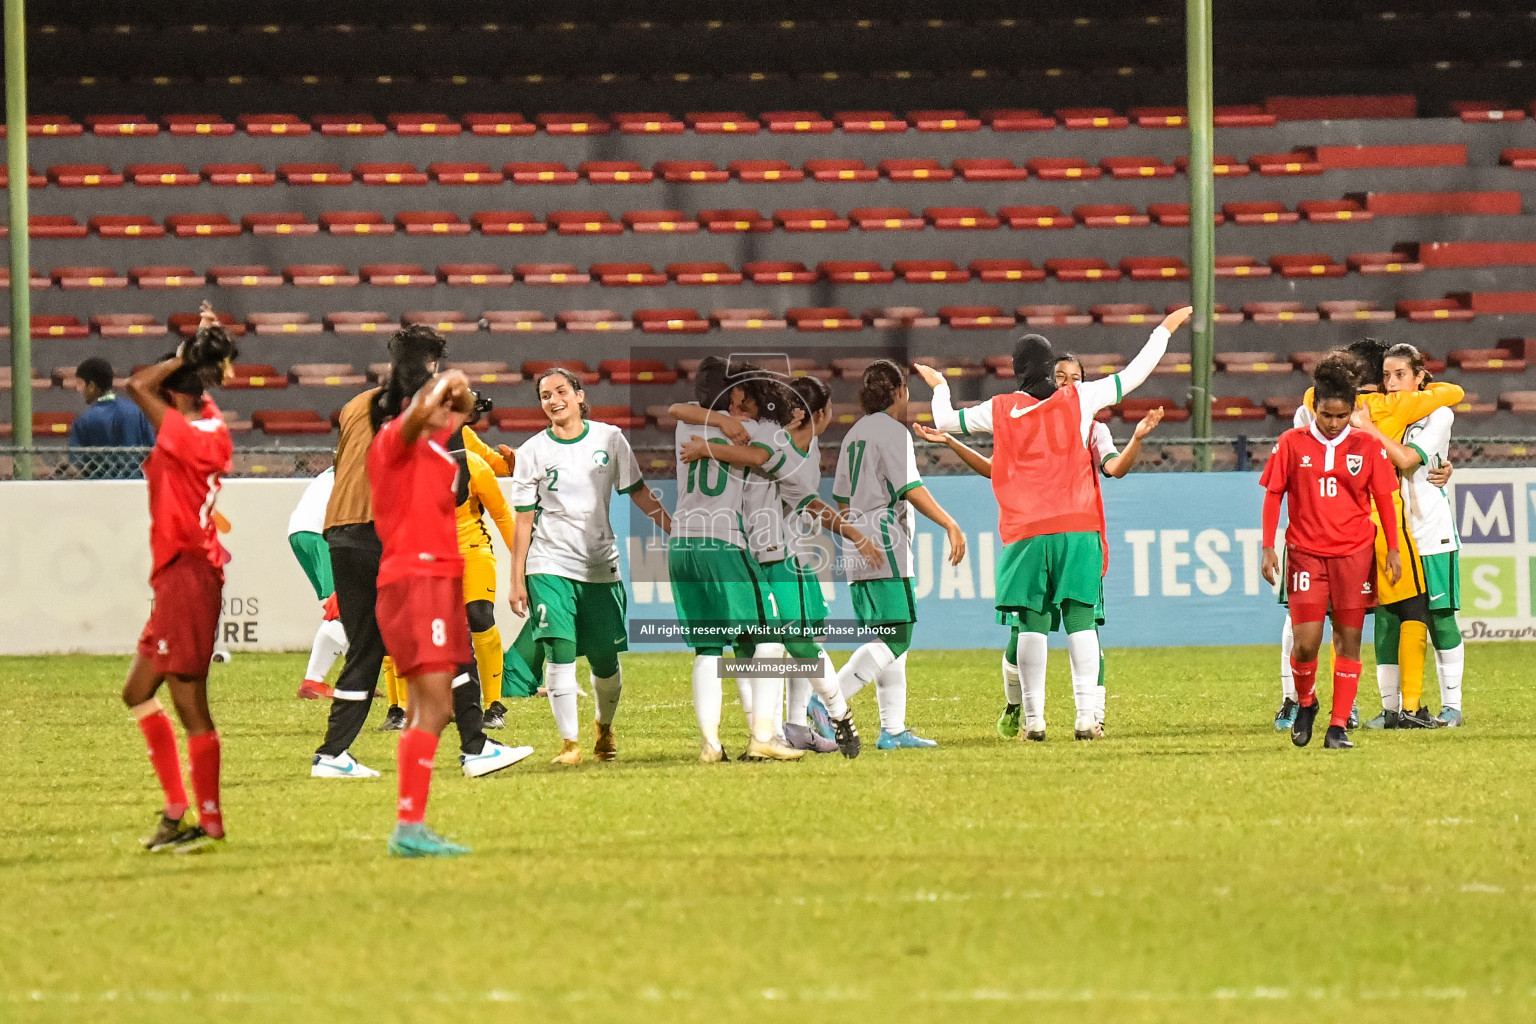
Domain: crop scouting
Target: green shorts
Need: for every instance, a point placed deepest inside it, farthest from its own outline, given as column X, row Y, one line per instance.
column 1442, row 580
column 795, row 605
column 1038, row 573
column 715, row 588
column 314, row 556
column 590, row 615
column 881, row 602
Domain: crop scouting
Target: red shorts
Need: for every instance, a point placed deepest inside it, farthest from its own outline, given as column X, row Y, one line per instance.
column 184, row 622
column 1316, row 583
column 422, row 621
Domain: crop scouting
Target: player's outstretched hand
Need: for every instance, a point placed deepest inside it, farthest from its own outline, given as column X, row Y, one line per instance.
column 1394, row 567
column 933, row 378
column 1269, row 568
column 927, row 433
column 1173, row 321
column 1440, row 475
column 697, row 448
column 956, row 544
column 1149, row 422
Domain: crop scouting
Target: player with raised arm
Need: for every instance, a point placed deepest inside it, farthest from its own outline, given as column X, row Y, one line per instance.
column 1425, row 514
column 1067, row 369
column 1051, row 518
column 1329, row 475
column 565, row 559
column 877, row 487
column 306, row 536
column 783, row 468
column 184, row 471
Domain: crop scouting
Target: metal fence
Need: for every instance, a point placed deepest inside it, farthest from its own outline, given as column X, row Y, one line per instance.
column 1167, row 455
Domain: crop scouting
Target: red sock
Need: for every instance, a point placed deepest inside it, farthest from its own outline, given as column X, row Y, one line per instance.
column 414, row 764
column 203, row 752
column 161, row 739
column 1305, row 674
column 1346, row 683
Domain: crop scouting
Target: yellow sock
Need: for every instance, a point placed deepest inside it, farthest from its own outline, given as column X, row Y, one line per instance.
column 394, row 686
column 488, row 656
column 1412, row 642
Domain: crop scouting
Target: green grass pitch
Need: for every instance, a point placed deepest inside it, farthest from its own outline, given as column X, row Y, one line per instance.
column 1191, row 866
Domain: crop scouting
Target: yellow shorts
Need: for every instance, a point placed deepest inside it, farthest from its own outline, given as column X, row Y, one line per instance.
column 479, row 574
column 1412, row 582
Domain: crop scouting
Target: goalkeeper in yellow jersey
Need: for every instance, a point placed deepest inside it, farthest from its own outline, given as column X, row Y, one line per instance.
column 478, row 493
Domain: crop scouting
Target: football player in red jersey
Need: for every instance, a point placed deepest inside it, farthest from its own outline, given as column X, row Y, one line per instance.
column 420, row 607
column 1329, row 474
column 184, row 471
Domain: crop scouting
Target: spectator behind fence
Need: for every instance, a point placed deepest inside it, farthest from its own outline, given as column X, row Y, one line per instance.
column 107, row 422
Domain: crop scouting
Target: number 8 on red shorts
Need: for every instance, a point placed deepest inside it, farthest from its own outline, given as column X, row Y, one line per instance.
column 422, row 621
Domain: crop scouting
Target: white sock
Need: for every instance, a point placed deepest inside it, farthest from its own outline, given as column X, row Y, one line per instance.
column 1450, row 666
column 560, row 681
column 891, row 695
column 767, row 695
column 799, row 701
column 1389, row 680
column 863, row 666
column 1011, row 692
column 744, row 695
column 330, row 644
column 1083, row 653
column 1287, row 679
column 827, row 688
column 1032, row 650
column 708, row 697
column 608, row 690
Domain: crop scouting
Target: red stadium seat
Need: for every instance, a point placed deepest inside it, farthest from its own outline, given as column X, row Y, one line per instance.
column 1063, row 168
column 637, row 371
column 443, row 321
column 649, row 123
column 1081, row 269
column 286, row 323
column 810, row 220
column 989, row 169
column 201, row 225
column 75, row 278
column 723, row 123
column 1385, row 263
column 1243, row 116
column 703, row 273
column 1110, row 215
column 885, row 218
column 1176, row 215
column 551, row 273
column 584, row 374
column 823, row 318
column 166, row 277
column 780, row 272
column 278, row 224
column 1279, row 313
column 573, row 124
column 754, row 319
column 1428, row 310
column 910, row 169
column 361, row 322
column 127, row 325
column 1322, row 211
column 474, row 275
column 1159, row 117
column 1137, row 167
column 1307, row 264
column 1236, row 407
column 256, row 376
column 1259, row 213
column 734, row 221
column 518, row 321
column 52, row 125
column 61, row 326
column 627, row 275
column 1121, row 313
column 499, row 124
column 1155, row 268
column 1350, row 309
column 1222, row 166
column 889, row 318
column 1017, row 120
column 614, row 172
column 1519, row 159
column 1091, row 117
column 281, row 422
column 1252, row 362
column 387, row 174
column 465, row 174
column 584, row 222
column 1241, row 266
column 803, row 122
column 161, row 174
column 244, row 275
column 861, row 121
column 272, row 124
column 520, row 421
column 313, row 174
column 431, row 222
column 540, row 173
column 349, row 125
column 660, row 222
column 690, row 172
column 1277, row 164
column 601, row 320
column 765, row 170
column 423, row 124
column 1006, row 270
column 54, row 226
column 619, row 416
column 84, row 176
column 931, row 271
column 397, row 275
column 51, row 424
column 960, row 218
column 840, row 170
column 943, row 121
column 118, row 226
column 326, row 375
column 238, row 174
column 508, row 222
column 855, row 272
column 975, row 318
column 1031, row 217
column 355, row 222
column 1053, row 315
column 34, row 179
column 1133, row 409
column 670, row 321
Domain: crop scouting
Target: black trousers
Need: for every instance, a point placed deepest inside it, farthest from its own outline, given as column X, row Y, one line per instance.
column 355, row 555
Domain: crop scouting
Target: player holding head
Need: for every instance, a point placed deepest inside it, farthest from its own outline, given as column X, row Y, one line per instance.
column 184, row 470
column 876, row 488
column 1329, row 474
column 1051, row 518
column 1425, row 513
column 565, row 560
column 1066, row 370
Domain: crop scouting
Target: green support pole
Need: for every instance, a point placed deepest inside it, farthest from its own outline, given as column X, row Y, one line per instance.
column 1202, row 224
column 21, row 263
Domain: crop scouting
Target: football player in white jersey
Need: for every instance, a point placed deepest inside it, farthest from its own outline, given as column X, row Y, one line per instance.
column 877, row 487
column 565, row 559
